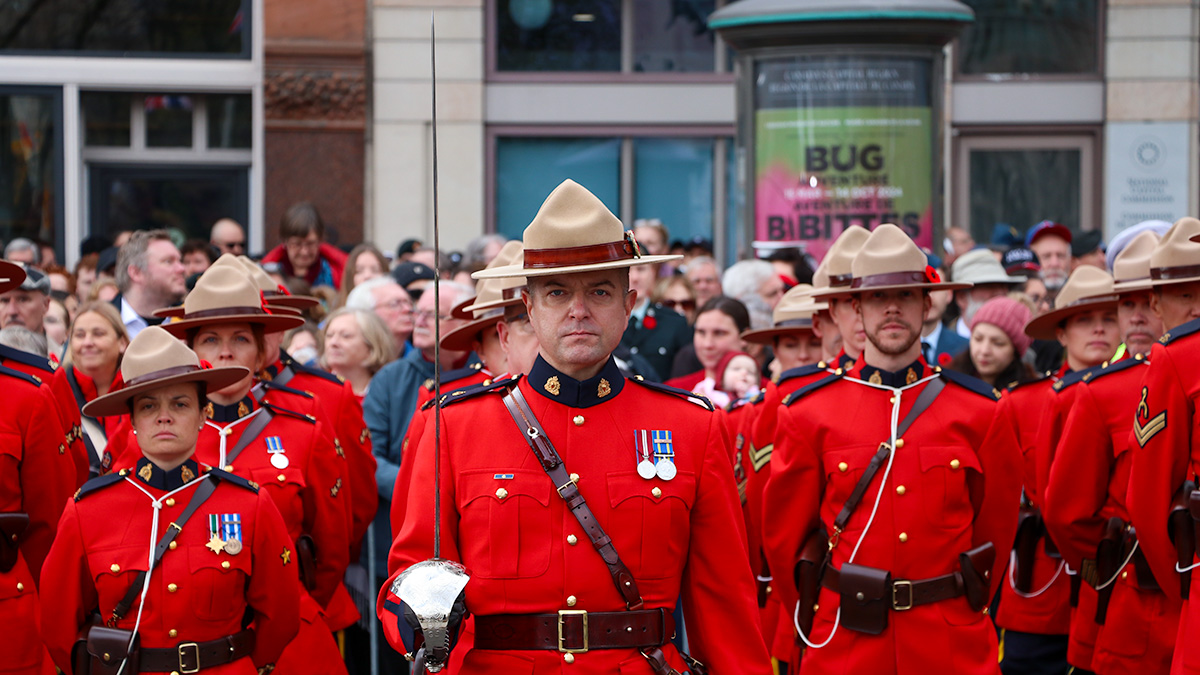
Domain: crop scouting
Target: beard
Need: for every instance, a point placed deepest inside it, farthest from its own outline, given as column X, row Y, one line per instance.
column 1054, row 279
column 896, row 346
column 973, row 306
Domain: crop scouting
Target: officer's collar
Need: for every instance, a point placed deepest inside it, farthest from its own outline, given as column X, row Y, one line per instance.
column 149, row 473
column 900, row 378
column 564, row 389
column 229, row 413
column 844, row 360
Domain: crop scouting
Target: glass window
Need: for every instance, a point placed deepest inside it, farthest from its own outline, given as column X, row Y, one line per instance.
column 1018, row 36
column 168, row 121
column 1024, row 186
column 142, row 197
column 673, row 36
column 30, row 165
column 674, row 183
column 105, row 118
column 229, row 121
column 126, row 27
column 528, row 169
column 558, row 36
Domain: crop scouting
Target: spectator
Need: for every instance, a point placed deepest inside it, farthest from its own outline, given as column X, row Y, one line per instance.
column 676, row 293
column 304, row 252
column 357, row 345
column 654, row 332
column 105, row 290
column 92, row 366
column 22, row 250
column 939, row 344
column 197, row 256
column 481, row 251
column 26, row 306
column 55, row 323
column 696, row 247
column 85, row 275
column 228, row 236
column 414, row 277
column 719, row 326
column 303, row 344
column 61, row 279
column 1004, row 237
column 791, row 265
column 1088, row 249
column 736, row 377
column 757, row 286
column 1052, row 244
column 365, row 262
column 406, row 249
column 958, row 241
column 1020, row 261
column 122, row 238
column 151, row 277
column 47, row 256
column 706, row 279
column 983, row 270
column 106, row 265
column 391, row 303
column 652, row 236
column 998, row 344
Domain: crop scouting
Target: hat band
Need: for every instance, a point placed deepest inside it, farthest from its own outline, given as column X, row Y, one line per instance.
column 1130, row 281
column 890, row 279
column 839, row 280
column 1180, row 272
column 223, row 311
column 162, row 374
column 795, row 323
column 545, row 258
column 1090, row 300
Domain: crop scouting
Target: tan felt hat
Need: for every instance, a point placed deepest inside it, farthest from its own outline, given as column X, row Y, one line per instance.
column 1176, row 259
column 979, row 267
column 487, row 312
column 1131, row 267
column 510, row 254
column 153, row 360
column 837, row 276
column 574, row 232
column 792, row 316
column 275, row 294
column 225, row 294
column 11, row 276
column 1087, row 288
column 890, row 260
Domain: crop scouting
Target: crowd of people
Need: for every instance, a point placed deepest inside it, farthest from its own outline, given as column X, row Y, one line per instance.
column 273, row 417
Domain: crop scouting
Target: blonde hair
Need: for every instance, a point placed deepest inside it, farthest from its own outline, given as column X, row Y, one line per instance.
column 109, row 313
column 381, row 346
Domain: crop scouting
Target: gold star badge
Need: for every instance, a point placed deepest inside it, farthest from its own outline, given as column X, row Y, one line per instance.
column 215, row 544
column 552, row 385
column 286, row 556
column 604, row 389
column 145, row 473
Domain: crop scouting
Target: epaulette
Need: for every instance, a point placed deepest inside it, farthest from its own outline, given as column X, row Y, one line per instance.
column 970, row 383
column 454, row 375
column 802, row 371
column 233, row 479
column 477, row 389
column 1182, row 330
column 279, row 387
column 734, row 405
column 1107, row 368
column 758, row 398
column 813, row 386
column 100, row 482
column 1013, row 386
column 32, row 360
column 1076, row 377
column 699, row 400
column 309, row 370
column 12, row 372
column 289, row 413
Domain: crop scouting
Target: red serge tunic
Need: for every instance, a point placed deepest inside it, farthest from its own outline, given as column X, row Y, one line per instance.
column 954, row 484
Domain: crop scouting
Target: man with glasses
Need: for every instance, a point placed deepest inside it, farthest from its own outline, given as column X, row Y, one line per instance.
column 654, row 332
column 304, row 253
column 228, row 236
column 391, row 303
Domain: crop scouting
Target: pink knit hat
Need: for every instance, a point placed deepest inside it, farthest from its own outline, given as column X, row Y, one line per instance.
column 1009, row 316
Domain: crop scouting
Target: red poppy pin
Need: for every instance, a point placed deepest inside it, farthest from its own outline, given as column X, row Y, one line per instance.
column 649, row 322
column 205, row 365
column 944, row 359
column 932, row 276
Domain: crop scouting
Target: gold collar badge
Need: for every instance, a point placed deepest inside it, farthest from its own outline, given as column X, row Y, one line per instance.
column 552, row 385
column 875, row 378
column 145, row 473
column 186, row 474
column 604, row 389
column 910, row 377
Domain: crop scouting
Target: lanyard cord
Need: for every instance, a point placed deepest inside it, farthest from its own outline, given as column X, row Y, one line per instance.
column 224, row 431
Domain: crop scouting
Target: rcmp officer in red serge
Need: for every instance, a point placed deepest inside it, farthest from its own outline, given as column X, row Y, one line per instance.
column 1086, row 495
column 1163, row 438
column 902, row 503
column 36, row 481
column 647, row 464
column 216, row 548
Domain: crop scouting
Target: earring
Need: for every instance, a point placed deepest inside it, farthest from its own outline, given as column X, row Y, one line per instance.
column 135, row 432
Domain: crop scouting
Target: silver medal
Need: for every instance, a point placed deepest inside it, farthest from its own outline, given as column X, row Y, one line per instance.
column 646, row 469
column 279, row 460
column 665, row 469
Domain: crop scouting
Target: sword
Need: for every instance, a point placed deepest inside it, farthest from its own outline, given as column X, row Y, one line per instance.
column 431, row 587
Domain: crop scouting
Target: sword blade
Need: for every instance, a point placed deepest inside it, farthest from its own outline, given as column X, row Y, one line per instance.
column 437, row 307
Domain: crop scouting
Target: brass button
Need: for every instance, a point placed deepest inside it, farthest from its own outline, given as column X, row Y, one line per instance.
column 900, row 489
column 571, row 600
column 172, row 633
column 281, row 478
column 501, row 493
column 114, row 567
column 572, row 539
column 954, row 464
column 574, row 478
column 657, row 492
column 578, row 420
column 170, row 501
column 568, row 658
column 20, row 587
column 228, row 467
column 892, row 400
column 171, row 588
column 226, row 431
column 172, row 545
column 1124, row 575
column 903, row 537
column 842, row 466
column 899, row 443
column 860, row 596
column 225, row 565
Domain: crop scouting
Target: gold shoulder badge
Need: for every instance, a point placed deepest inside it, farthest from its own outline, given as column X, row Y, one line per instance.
column 1166, row 337
column 1144, row 426
column 428, row 384
column 552, row 385
column 604, row 389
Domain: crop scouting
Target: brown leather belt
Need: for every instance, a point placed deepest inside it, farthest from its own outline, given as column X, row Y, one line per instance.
column 192, row 657
column 907, row 594
column 575, row 632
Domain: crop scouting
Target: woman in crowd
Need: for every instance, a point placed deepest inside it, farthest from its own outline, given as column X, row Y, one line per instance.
column 677, row 293
column 186, row 608
column 304, row 252
column 357, row 345
column 303, row 343
column 365, row 262
column 719, row 325
column 55, row 323
column 998, row 344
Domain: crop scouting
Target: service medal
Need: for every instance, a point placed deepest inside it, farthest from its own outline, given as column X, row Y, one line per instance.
column 641, row 446
column 645, row 469
column 279, row 461
column 279, row 458
column 665, row 469
column 233, row 546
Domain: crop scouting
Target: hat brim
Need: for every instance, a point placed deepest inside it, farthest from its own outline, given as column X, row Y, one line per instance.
column 271, row 323
column 509, row 271
column 117, row 402
column 460, row 338
column 995, row 281
column 847, row 292
column 300, row 302
column 1139, row 286
column 11, row 276
column 495, row 304
column 1045, row 326
column 177, row 312
column 768, row 335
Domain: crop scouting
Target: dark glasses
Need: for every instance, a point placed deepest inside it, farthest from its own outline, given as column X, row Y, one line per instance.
column 679, row 305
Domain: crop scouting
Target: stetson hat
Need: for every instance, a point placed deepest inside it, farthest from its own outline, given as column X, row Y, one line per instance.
column 153, row 360
column 274, row 294
column 236, row 263
column 890, row 260
column 510, row 254
column 486, row 309
column 1176, row 259
column 11, row 276
column 1131, row 267
column 792, row 316
column 1088, row 288
column 574, row 232
column 225, row 294
column 836, row 280
column 979, row 267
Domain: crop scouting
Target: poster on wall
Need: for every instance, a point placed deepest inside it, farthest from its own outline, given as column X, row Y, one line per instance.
column 841, row 140
column 1147, row 173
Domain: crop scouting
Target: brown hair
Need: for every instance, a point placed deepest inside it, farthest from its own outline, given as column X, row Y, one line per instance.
column 300, row 220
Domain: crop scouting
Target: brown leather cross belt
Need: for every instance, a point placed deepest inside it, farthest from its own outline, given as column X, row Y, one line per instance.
column 571, row 631
column 192, row 657
column 907, row 594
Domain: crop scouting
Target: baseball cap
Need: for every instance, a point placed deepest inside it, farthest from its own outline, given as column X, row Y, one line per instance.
column 1086, row 242
column 1047, row 227
column 406, row 273
column 1017, row 260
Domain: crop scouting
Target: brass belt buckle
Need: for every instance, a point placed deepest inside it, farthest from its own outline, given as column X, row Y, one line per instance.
column 562, row 614
column 896, row 603
column 183, row 654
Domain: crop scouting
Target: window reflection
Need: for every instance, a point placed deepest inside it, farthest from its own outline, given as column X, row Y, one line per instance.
column 1023, row 187
column 673, row 36
column 564, row 36
column 29, row 179
column 528, row 169
column 1018, row 36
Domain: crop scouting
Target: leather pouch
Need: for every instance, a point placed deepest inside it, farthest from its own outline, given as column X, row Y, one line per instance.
column 1109, row 554
column 12, row 526
column 1145, row 578
column 107, row 648
column 814, row 556
column 976, row 568
column 1182, row 530
column 866, row 598
column 306, row 554
column 1029, row 531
